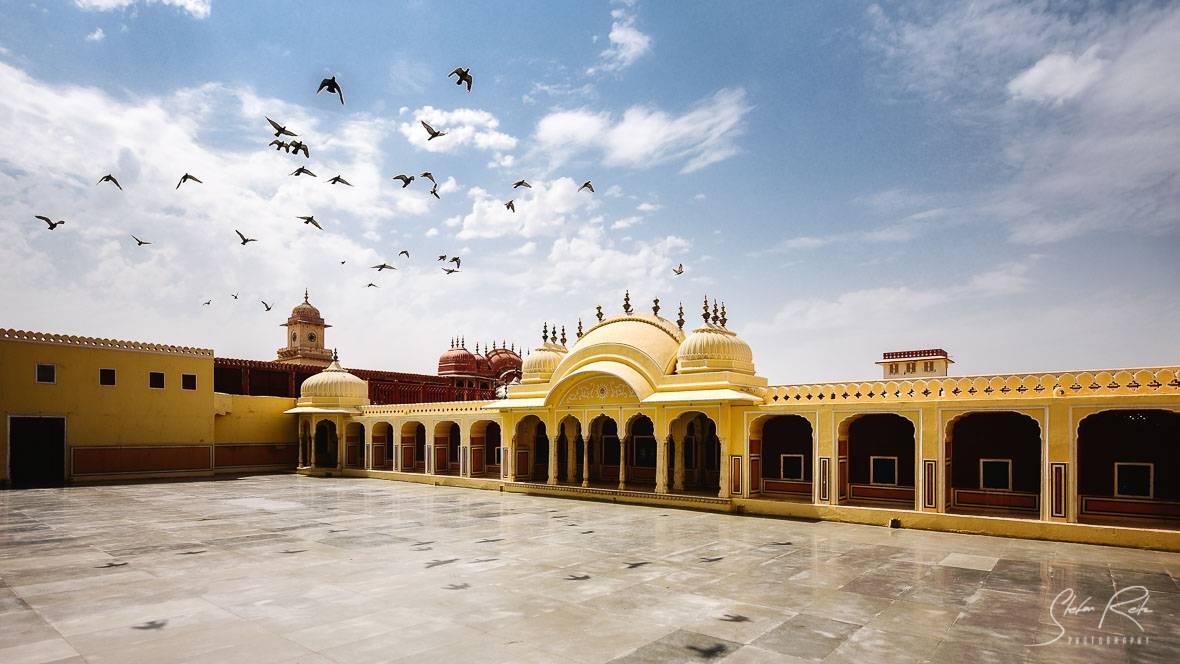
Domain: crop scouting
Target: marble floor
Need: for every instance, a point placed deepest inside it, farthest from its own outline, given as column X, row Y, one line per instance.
column 285, row 568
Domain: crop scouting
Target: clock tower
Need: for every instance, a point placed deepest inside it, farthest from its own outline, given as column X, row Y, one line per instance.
column 305, row 337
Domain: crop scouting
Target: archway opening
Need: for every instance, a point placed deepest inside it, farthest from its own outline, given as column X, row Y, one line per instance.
column 413, row 447
column 604, row 451
column 446, row 448
column 1129, row 468
column 994, row 464
column 354, row 445
column 694, row 455
column 569, row 450
column 640, row 451
column 782, row 455
column 383, row 446
column 485, row 449
column 326, row 443
column 876, row 461
column 530, row 432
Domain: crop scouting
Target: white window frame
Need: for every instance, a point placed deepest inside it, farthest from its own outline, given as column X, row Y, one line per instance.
column 1150, row 478
column 165, row 375
column 802, row 469
column 896, row 470
column 1007, row 461
column 112, row 369
column 37, row 370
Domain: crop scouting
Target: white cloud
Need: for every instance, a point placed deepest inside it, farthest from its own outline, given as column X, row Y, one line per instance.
column 626, row 222
column 546, row 209
column 463, row 126
column 96, row 36
column 527, row 249
column 627, row 43
column 699, row 197
column 433, row 232
column 195, row 8
column 649, row 207
column 1058, row 77
column 644, row 137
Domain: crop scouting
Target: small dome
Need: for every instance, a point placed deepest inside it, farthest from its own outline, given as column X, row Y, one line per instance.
column 333, row 384
column 457, row 361
column 714, row 348
column 305, row 312
column 504, row 362
column 539, row 365
column 483, row 367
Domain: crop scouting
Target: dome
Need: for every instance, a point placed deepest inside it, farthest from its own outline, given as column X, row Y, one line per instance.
column 457, row 361
column 305, row 312
column 538, row 367
column 333, row 386
column 712, row 347
column 504, row 362
column 483, row 367
column 656, row 340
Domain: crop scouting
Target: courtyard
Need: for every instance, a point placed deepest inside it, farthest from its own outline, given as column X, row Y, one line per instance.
column 284, row 568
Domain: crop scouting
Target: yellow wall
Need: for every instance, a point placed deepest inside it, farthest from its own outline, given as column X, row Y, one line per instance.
column 251, row 419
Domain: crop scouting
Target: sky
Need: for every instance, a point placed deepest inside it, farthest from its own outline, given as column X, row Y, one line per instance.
column 999, row 179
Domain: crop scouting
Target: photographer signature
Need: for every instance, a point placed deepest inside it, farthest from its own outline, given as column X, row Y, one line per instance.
column 1129, row 602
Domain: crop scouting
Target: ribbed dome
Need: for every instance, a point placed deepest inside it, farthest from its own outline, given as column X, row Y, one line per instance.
column 333, row 383
column 457, row 361
column 539, row 365
column 714, row 348
column 305, row 312
column 482, row 366
column 504, row 361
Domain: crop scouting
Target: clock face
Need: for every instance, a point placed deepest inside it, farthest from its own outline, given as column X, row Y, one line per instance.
column 311, row 337
column 294, row 336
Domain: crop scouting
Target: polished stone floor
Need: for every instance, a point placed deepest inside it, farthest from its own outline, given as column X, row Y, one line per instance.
column 298, row 569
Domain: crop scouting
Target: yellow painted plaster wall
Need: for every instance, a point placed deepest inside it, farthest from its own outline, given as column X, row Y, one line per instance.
column 242, row 419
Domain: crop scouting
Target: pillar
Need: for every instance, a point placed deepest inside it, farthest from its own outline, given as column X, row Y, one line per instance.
column 367, row 449
column 553, row 438
column 311, row 443
column 339, row 443
column 508, row 460
column 678, row 469
column 623, row 463
column 586, row 460
column 662, row 464
column 723, row 467
column 571, row 458
column 429, row 469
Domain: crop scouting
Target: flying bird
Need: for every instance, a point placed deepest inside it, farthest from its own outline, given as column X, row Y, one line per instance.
column 280, row 145
column 109, row 178
column 712, row 652
column 406, row 179
column 300, row 146
column 428, row 175
column 383, row 266
column 311, row 220
column 403, row 252
column 268, row 306
column 780, row 544
column 457, row 261
column 302, row 171
column 234, row 295
column 678, row 270
column 52, row 224
column 489, row 540
column 464, row 77
column 332, row 87
column 449, row 270
column 587, row 185
column 244, row 238
column 372, row 285
column 339, row 180
column 206, row 303
column 280, row 130
column 185, row 178
column 442, row 257
column 521, row 183
column 139, row 242
column 511, row 205
column 434, row 192
column 430, row 130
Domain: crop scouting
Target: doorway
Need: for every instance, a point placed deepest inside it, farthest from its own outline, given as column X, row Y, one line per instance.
column 36, row 451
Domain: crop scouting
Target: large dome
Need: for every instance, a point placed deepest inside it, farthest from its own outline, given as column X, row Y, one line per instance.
column 458, row 361
column 333, row 386
column 504, row 362
column 714, row 348
column 656, row 340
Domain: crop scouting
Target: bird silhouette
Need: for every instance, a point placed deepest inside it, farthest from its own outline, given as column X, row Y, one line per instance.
column 403, row 252
column 110, row 565
column 139, row 242
column 712, row 560
column 430, row 130
column 302, row 171
column 440, row 563
column 449, row 270
column 678, row 270
column 457, row 586
column 434, row 192
column 635, row 565
column 299, row 146
column 406, row 179
column 268, row 306
column 332, row 87
column 245, row 239
column 521, row 183
column 442, row 257
column 511, row 205
column 109, row 178
column 186, row 178
column 206, row 303
column 280, row 130
column 428, row 175
column 464, row 77
column 339, row 180
column 457, row 261
column 52, row 224
column 311, row 220
column 371, row 285
column 151, row 624
column 734, row 618
column 384, row 266
column 713, row 651
column 234, row 295
column 587, row 185
column 577, row 577
column 280, row 145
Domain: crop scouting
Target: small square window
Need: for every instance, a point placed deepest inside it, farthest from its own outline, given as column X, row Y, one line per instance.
column 893, row 368
column 156, row 380
column 188, row 381
column 995, row 474
column 911, row 367
column 1134, row 480
column 791, row 466
column 883, row 470
column 47, row 373
column 106, row 376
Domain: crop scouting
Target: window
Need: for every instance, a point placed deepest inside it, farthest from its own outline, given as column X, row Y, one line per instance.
column 188, row 381
column 106, row 376
column 1134, row 480
column 995, row 474
column 928, row 366
column 893, row 369
column 911, row 367
column 610, row 450
column 294, row 336
column 156, row 380
column 645, row 451
column 791, row 467
column 47, row 373
column 311, row 337
column 882, row 470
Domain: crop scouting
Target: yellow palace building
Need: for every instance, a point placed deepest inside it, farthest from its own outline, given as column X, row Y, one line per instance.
column 639, row 408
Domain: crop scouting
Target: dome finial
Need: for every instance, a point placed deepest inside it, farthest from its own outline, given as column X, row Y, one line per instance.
column 714, row 311
column 545, row 334
column 598, row 312
column 463, row 343
column 477, row 348
column 579, row 328
column 655, row 307
column 680, row 316
column 627, row 302
column 562, row 335
column 706, row 309
column 335, row 355
column 305, row 296
column 723, row 318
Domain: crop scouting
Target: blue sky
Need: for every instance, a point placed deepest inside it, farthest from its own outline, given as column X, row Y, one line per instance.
column 998, row 179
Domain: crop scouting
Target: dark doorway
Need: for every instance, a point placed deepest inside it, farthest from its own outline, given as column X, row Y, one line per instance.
column 36, row 451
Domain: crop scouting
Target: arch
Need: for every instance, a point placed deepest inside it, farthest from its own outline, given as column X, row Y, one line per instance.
column 993, row 464
column 529, row 430
column 383, row 446
column 694, row 455
column 326, row 450
column 569, row 449
column 637, row 377
column 354, row 445
column 1128, row 468
column 640, row 452
column 876, row 457
column 484, row 440
column 782, row 457
column 604, row 449
column 413, row 447
column 447, row 443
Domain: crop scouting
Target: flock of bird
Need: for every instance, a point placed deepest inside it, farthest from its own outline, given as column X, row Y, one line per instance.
column 296, row 147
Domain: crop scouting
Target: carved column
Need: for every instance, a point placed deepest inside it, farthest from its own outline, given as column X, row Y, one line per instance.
column 623, row 463
column 662, row 464
column 723, row 466
column 678, row 469
column 367, row 447
column 464, row 453
column 508, row 460
column 571, row 457
column 586, row 462
column 552, row 479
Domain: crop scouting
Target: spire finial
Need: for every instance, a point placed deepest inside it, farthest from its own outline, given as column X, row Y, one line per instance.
column 680, row 316
column 579, row 328
column 723, row 318
column 305, row 296
column 655, row 306
column 706, row 309
column 627, row 302
column 598, row 312
column 545, row 334
column 335, row 355
column 477, row 348
column 562, row 335
column 463, row 343
column 714, row 311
